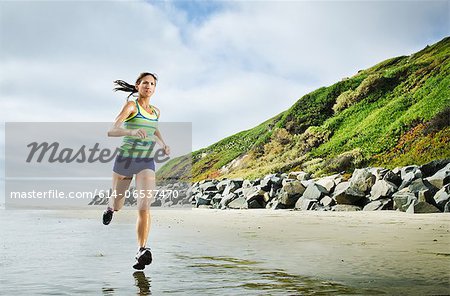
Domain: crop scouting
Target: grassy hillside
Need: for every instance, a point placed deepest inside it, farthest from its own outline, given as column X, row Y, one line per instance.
column 394, row 113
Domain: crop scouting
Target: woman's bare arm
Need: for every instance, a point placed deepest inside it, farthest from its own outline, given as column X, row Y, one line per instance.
column 118, row 131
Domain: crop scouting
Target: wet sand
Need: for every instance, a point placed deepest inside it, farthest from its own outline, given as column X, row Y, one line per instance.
column 385, row 252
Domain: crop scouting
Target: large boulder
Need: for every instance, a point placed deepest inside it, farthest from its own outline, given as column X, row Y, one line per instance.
column 392, row 177
column 420, row 206
column 208, row 186
column 232, row 186
column 379, row 173
column 222, row 185
column 362, row 180
column 408, row 175
column 379, row 204
column 403, row 199
column 329, row 183
column 203, row 200
column 291, row 192
column 441, row 177
column 432, row 167
column 315, row 192
column 344, row 194
column 327, row 201
column 382, row 189
column 238, row 203
column 227, row 199
column 442, row 197
column 423, row 187
column 301, row 176
column 255, row 198
column 305, row 204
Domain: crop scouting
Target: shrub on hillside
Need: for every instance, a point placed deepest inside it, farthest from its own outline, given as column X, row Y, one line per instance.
column 346, row 161
column 313, row 137
column 438, row 122
column 373, row 84
column 344, row 100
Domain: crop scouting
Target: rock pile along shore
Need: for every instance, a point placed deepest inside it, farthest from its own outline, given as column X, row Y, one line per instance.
column 413, row 189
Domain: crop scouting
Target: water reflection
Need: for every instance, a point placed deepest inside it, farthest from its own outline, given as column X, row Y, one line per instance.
column 108, row 291
column 234, row 276
column 143, row 283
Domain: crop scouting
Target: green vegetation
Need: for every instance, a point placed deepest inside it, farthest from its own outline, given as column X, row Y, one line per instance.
column 394, row 113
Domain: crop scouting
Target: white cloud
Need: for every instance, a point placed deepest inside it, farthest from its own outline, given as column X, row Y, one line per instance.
column 237, row 67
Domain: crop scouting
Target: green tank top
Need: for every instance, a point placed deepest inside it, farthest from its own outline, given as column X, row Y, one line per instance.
column 136, row 147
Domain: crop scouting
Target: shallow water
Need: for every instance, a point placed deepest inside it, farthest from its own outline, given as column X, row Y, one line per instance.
column 43, row 254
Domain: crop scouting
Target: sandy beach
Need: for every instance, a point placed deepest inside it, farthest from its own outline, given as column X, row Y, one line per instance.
column 384, row 252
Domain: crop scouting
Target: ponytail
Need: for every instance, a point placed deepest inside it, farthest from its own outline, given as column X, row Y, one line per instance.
column 126, row 87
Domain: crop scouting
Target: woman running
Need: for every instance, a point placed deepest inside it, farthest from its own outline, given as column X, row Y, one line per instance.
column 135, row 157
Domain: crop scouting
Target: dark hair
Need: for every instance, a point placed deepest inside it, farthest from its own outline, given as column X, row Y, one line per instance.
column 126, row 87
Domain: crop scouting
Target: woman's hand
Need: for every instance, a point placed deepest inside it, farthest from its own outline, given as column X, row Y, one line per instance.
column 140, row 133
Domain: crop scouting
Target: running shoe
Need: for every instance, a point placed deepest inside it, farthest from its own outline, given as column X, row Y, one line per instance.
column 143, row 257
column 107, row 216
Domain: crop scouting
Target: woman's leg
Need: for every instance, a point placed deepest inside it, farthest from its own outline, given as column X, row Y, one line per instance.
column 145, row 184
column 120, row 184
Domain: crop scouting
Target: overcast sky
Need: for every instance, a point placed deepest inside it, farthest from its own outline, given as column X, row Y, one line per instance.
column 224, row 66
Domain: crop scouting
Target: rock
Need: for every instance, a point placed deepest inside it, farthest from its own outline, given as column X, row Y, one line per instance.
column 274, row 192
column 345, row 208
column 409, row 178
column 441, row 177
column 390, row 176
column 239, row 192
column 291, row 192
column 222, row 185
column 305, row 204
column 275, row 205
column 447, row 207
column 424, row 188
column 266, row 183
column 422, row 207
column 238, row 203
column 403, row 199
column 232, row 186
column 434, row 166
column 411, row 169
column 381, row 189
column 216, row 199
column 267, row 197
column 247, row 191
column 253, row 192
column 362, row 180
column 208, row 186
column 202, row 201
column 379, row 204
column 344, row 194
column 227, row 199
column 246, row 184
column 156, row 203
column 286, row 181
column 256, row 203
column 327, row 183
column 327, row 201
column 301, row 176
column 315, row 192
column 256, row 198
column 379, row 173
column 442, row 197
column 306, row 183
